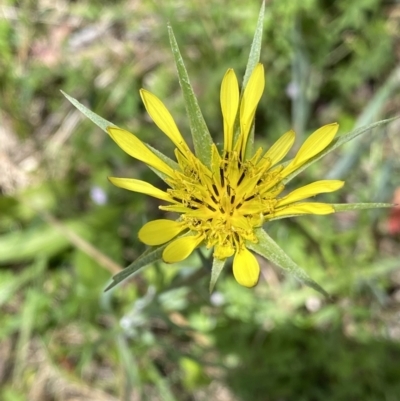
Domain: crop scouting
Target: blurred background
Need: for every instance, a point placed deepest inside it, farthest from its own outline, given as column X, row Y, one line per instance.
column 65, row 230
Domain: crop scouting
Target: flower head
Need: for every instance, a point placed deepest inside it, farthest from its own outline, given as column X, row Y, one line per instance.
column 222, row 204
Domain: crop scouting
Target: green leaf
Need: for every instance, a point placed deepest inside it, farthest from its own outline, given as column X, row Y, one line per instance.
column 129, row 364
column 202, row 140
column 11, row 283
column 41, row 239
column 270, row 250
column 375, row 106
column 338, row 141
column 99, row 121
column 151, row 255
column 343, row 207
column 217, row 267
column 303, row 78
column 161, row 382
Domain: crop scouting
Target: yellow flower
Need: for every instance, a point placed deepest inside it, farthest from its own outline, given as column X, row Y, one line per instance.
column 222, row 205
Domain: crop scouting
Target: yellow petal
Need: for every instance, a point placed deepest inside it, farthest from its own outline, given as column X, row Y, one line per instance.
column 251, row 97
column 229, row 106
column 280, row 148
column 181, row 248
column 176, row 208
column 142, row 187
column 315, row 188
column 223, row 251
column 215, row 166
column 130, row 144
column 252, row 207
column 304, row 208
column 239, row 221
column 159, row 232
column 246, row 268
column 163, row 119
column 316, row 143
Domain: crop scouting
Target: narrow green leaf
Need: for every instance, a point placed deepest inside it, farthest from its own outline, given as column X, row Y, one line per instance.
column 40, row 239
column 338, row 141
column 201, row 136
column 270, row 250
column 33, row 301
column 373, row 108
column 11, row 283
column 151, row 255
column 129, row 364
column 217, row 267
column 343, row 207
column 161, row 382
column 302, row 78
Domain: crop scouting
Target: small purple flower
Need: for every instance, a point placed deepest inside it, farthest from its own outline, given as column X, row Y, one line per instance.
column 292, row 90
column 98, row 195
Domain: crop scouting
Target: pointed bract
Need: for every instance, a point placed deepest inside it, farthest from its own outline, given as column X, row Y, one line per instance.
column 216, row 270
column 201, row 137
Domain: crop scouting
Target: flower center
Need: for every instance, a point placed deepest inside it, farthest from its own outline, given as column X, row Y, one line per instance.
column 224, row 204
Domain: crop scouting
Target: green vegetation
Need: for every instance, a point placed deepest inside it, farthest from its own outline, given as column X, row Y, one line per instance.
column 65, row 230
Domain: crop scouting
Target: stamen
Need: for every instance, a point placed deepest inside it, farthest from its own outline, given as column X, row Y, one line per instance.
column 221, row 174
column 214, row 187
column 241, row 178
